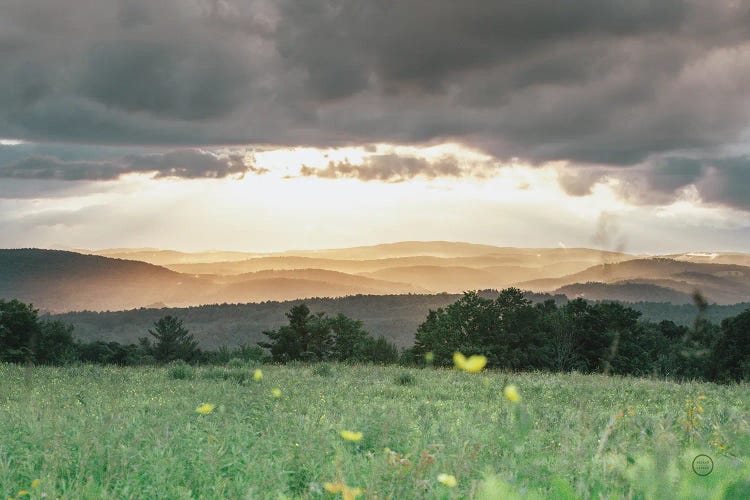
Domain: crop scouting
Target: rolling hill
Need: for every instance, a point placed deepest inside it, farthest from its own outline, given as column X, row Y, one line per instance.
column 56, row 280
column 625, row 292
column 721, row 283
column 61, row 281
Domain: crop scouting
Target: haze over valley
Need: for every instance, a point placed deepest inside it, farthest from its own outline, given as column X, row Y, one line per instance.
column 59, row 281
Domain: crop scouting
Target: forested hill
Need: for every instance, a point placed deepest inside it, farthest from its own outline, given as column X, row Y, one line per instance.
column 394, row 316
column 59, row 280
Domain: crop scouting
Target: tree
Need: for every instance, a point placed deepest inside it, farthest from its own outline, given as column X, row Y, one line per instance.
column 350, row 339
column 316, row 337
column 732, row 351
column 55, row 345
column 307, row 337
column 505, row 330
column 378, row 351
column 19, row 331
column 173, row 341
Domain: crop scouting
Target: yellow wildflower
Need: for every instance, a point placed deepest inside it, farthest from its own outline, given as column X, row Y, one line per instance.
column 351, row 436
column 429, row 357
column 276, row 392
column 347, row 493
column 334, row 487
column 511, row 392
column 205, row 408
column 448, row 480
column 23, row 493
column 258, row 375
column 35, row 484
column 473, row 364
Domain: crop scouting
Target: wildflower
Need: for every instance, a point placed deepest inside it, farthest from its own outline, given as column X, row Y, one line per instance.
column 429, row 357
column 473, row 364
column 23, row 493
column 448, row 480
column 511, row 392
column 258, row 375
column 35, row 484
column 347, row 493
column 276, row 392
column 205, row 408
column 351, row 436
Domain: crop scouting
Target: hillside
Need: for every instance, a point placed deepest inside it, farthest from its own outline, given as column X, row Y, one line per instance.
column 394, row 316
column 62, row 281
column 721, row 283
column 58, row 281
column 624, row 292
column 162, row 257
column 740, row 259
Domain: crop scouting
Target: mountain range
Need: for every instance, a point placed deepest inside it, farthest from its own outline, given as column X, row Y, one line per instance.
column 119, row 279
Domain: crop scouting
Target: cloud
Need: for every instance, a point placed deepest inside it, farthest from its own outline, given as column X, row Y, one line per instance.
column 397, row 168
column 185, row 164
column 600, row 84
column 661, row 181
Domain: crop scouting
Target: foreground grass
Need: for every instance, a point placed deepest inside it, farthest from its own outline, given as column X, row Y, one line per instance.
column 105, row 432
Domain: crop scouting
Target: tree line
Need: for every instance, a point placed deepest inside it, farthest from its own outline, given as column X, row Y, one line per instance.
column 25, row 337
column 510, row 330
column 606, row 337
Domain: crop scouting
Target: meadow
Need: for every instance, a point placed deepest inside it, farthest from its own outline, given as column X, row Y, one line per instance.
column 218, row 432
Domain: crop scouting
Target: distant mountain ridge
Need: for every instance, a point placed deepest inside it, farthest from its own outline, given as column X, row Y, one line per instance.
column 57, row 280
column 721, row 283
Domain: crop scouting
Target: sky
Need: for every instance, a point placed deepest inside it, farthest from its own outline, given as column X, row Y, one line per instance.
column 272, row 125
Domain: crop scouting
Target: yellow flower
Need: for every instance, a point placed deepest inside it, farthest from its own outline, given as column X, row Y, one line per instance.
column 334, row 487
column 258, row 375
column 429, row 357
column 205, row 408
column 23, row 493
column 351, row 436
column 447, row 479
column 35, row 484
column 511, row 392
column 472, row 365
column 276, row 392
column 347, row 493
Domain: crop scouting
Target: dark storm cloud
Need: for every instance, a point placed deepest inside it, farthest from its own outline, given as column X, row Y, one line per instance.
column 720, row 181
column 396, row 168
column 600, row 82
column 186, row 164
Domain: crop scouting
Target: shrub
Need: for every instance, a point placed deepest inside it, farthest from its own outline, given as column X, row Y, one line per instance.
column 236, row 363
column 405, row 378
column 179, row 370
column 322, row 370
column 238, row 375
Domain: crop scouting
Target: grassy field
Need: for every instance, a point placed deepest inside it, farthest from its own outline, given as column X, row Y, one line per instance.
column 105, row 432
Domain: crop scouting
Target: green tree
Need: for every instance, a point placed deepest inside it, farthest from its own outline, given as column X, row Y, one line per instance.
column 731, row 353
column 24, row 337
column 317, row 337
column 55, row 345
column 350, row 339
column 19, row 331
column 172, row 341
column 378, row 351
column 307, row 337
column 505, row 330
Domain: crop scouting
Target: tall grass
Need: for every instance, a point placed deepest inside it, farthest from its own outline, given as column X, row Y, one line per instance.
column 106, row 432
